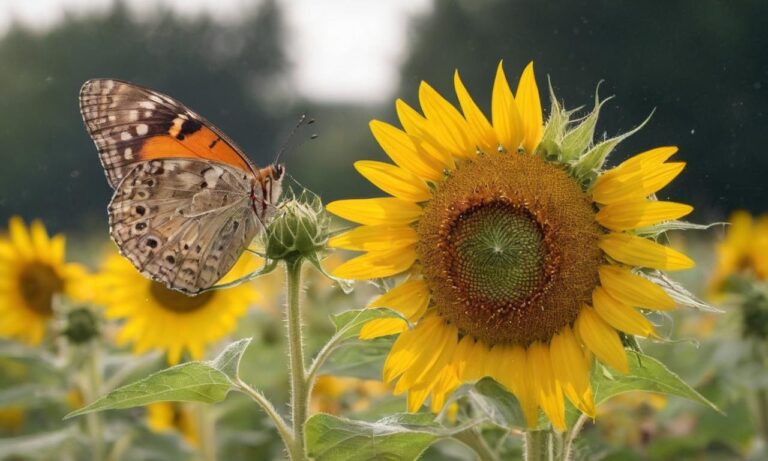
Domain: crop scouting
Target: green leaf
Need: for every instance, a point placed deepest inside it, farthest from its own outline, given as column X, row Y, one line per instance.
column 358, row 359
column 207, row 382
column 228, row 362
column 188, row 382
column 349, row 323
column 645, row 374
column 399, row 437
column 495, row 403
column 40, row 445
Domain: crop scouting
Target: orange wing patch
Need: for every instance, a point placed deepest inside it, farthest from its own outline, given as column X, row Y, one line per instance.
column 189, row 138
column 130, row 124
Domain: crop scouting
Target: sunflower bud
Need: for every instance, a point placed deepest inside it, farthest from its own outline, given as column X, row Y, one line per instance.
column 81, row 326
column 298, row 229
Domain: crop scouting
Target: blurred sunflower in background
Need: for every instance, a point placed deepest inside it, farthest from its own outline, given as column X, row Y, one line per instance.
column 522, row 256
column 174, row 417
column 329, row 392
column 743, row 251
column 156, row 317
column 741, row 270
column 34, row 273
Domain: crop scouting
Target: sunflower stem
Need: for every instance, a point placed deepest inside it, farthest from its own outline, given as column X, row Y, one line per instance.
column 474, row 440
column 92, row 392
column 538, row 445
column 207, row 424
column 299, row 385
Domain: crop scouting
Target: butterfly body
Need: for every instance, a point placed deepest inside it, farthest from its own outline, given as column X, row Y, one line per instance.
column 187, row 200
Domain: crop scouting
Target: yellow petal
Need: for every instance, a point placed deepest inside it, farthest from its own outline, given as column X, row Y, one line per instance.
column 446, row 383
column 462, row 357
column 634, row 184
column 446, row 121
column 430, row 361
column 636, row 214
column 572, row 370
column 655, row 156
column 375, row 238
column 633, row 289
column 642, row 252
column 20, row 238
column 402, row 149
column 549, row 391
column 475, row 362
column 377, row 264
column 40, row 240
column 506, row 117
column 394, row 180
column 507, row 365
column 529, row 104
column 382, row 327
column 601, row 339
column 420, row 128
column 373, row 211
column 410, row 298
column 409, row 345
column 619, row 315
column 478, row 125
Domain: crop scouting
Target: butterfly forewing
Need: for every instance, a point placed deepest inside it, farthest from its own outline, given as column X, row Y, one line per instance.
column 187, row 201
column 130, row 124
column 183, row 222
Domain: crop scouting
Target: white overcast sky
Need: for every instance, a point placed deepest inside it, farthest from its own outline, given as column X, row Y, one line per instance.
column 342, row 50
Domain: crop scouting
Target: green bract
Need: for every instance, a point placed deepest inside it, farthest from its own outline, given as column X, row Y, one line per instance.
column 298, row 229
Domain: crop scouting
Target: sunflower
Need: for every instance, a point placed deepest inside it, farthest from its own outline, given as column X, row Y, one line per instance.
column 156, row 317
column 33, row 274
column 174, row 416
column 744, row 250
column 329, row 392
column 519, row 256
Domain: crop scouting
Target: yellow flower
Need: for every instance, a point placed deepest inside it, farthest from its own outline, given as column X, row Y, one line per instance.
column 33, row 274
column 156, row 317
column 329, row 391
column 174, row 416
column 519, row 267
column 12, row 419
column 744, row 249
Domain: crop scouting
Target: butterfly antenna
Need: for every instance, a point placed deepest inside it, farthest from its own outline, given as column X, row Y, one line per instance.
column 303, row 121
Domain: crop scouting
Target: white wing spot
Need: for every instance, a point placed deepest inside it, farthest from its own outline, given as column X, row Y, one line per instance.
column 147, row 104
column 142, row 129
column 125, row 136
column 128, row 153
column 133, row 115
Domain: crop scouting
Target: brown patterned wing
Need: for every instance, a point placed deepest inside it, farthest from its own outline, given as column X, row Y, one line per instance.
column 183, row 222
column 130, row 124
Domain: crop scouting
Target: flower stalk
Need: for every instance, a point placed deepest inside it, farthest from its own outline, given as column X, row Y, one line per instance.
column 299, row 384
column 538, row 445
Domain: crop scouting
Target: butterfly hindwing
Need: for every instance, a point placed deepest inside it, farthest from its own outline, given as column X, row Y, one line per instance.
column 183, row 222
column 130, row 124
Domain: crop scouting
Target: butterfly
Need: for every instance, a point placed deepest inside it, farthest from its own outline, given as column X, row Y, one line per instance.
column 187, row 201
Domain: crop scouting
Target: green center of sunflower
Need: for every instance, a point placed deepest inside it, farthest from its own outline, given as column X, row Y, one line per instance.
column 496, row 252
column 509, row 248
column 38, row 283
column 176, row 301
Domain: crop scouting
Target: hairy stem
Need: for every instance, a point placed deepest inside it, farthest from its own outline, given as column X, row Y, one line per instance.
column 538, row 445
column 299, row 385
